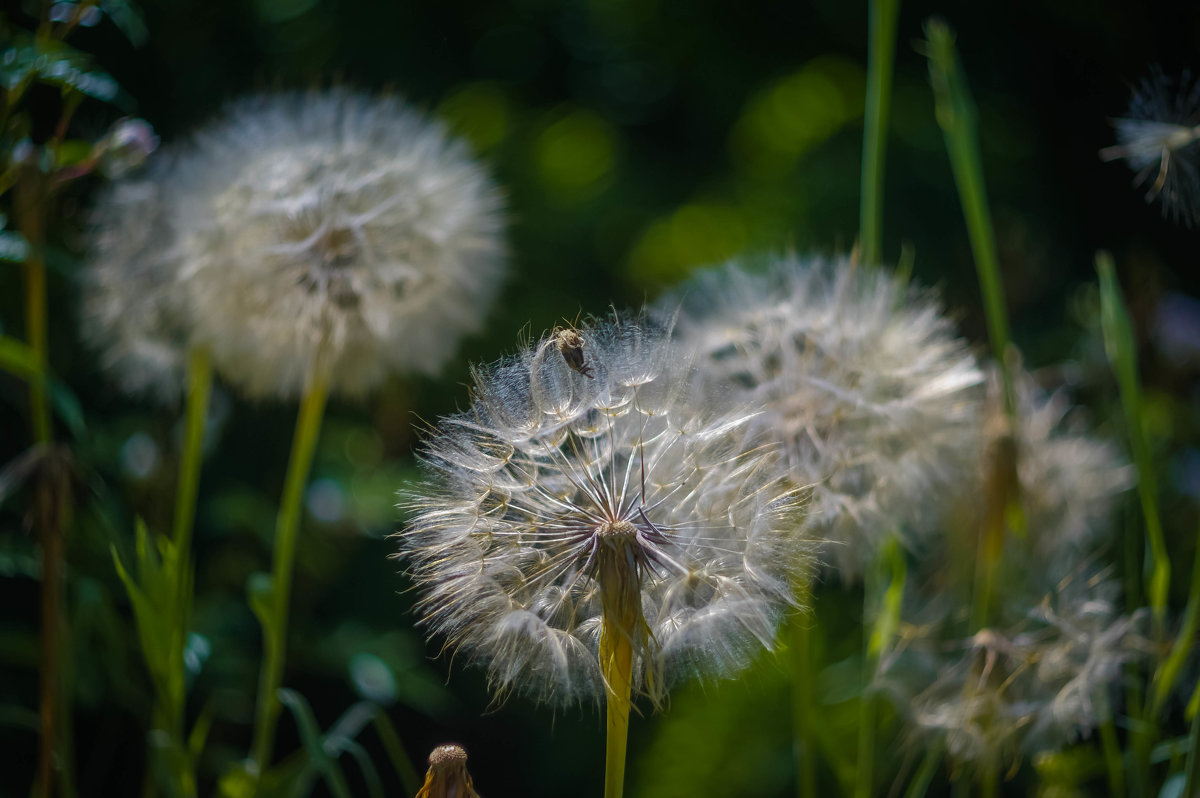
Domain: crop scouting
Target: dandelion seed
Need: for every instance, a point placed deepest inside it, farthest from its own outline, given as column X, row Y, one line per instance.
column 1160, row 137
column 329, row 236
column 571, row 521
column 862, row 378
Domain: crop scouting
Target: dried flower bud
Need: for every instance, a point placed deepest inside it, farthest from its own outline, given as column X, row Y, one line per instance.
column 447, row 776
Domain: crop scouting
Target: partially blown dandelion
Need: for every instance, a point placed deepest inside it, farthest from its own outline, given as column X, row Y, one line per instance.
column 335, row 237
column 863, row 380
column 589, row 535
column 1160, row 137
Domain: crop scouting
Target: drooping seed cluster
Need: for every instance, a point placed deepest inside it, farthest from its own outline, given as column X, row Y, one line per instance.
column 559, row 496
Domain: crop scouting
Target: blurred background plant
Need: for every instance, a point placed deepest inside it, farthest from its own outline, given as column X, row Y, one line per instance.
column 636, row 142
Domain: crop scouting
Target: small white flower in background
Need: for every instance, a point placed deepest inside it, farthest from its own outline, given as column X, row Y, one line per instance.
column 1160, row 137
column 863, row 379
column 332, row 236
column 134, row 312
column 573, row 496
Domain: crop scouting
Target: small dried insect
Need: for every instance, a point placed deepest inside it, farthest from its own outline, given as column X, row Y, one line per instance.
column 569, row 343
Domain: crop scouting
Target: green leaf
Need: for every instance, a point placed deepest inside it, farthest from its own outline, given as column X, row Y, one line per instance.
column 17, row 358
column 48, row 61
column 1121, row 348
column 310, row 735
column 66, row 404
column 128, row 20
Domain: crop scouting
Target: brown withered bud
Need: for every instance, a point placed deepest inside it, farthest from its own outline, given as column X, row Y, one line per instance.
column 447, row 776
column 569, row 343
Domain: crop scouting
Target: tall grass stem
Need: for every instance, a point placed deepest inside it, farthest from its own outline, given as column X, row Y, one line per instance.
column 882, row 19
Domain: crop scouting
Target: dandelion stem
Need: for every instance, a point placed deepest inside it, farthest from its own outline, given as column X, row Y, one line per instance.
column 804, row 746
column 616, row 659
column 887, row 592
column 199, row 387
column 883, row 16
column 275, row 615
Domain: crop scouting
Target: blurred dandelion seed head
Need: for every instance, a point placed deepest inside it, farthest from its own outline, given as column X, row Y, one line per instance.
column 1033, row 686
column 863, row 379
column 1160, row 138
column 559, row 502
column 333, row 235
column 134, row 311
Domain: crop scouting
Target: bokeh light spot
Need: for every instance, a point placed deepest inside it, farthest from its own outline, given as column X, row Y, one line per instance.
column 575, row 154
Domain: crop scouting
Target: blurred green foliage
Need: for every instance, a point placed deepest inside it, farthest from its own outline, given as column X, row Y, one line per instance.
column 636, row 140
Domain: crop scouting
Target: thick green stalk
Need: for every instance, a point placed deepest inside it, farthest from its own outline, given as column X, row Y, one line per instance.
column 275, row 612
column 1110, row 746
column 31, row 208
column 956, row 116
column 199, row 387
column 882, row 18
column 803, row 745
column 618, row 676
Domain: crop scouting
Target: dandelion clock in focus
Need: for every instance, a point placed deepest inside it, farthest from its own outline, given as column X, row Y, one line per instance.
column 591, row 527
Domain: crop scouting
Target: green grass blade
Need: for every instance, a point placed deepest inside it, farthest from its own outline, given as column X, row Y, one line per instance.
column 310, row 736
column 1122, row 356
column 956, row 116
column 883, row 16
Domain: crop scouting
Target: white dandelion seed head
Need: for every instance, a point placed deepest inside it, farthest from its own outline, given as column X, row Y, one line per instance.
column 863, row 378
column 1033, row 685
column 554, row 484
column 332, row 235
column 133, row 311
column 1070, row 478
column 1160, row 138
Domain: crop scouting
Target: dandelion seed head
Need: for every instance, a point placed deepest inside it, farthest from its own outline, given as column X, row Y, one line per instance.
column 133, row 311
column 1032, row 686
column 558, row 500
column 333, row 235
column 1160, row 138
column 863, row 378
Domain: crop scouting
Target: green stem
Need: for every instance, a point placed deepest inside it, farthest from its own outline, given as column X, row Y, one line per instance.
column 925, row 773
column 308, row 427
column 199, row 387
column 883, row 16
column 1191, row 784
column 803, row 744
column 956, row 116
column 619, row 679
column 31, row 208
column 1110, row 746
column 884, row 588
column 1168, row 672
